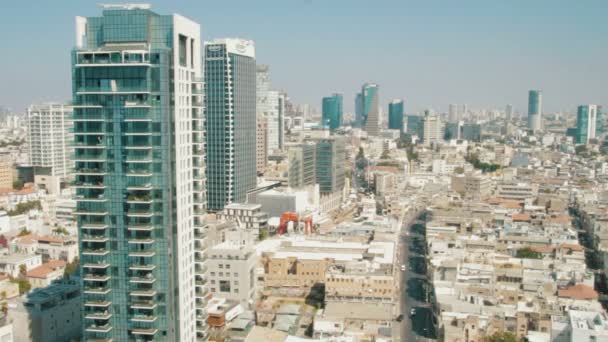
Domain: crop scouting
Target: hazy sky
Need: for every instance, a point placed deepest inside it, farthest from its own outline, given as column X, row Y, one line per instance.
column 431, row 53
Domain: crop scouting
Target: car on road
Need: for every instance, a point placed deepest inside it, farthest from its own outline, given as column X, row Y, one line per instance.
column 403, row 268
column 413, row 312
column 399, row 318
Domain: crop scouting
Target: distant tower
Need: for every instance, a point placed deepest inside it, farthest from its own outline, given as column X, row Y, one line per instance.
column 359, row 110
column 395, row 115
column 508, row 112
column 453, row 113
column 332, row 111
column 535, row 110
column 465, row 112
column 371, row 109
column 587, row 123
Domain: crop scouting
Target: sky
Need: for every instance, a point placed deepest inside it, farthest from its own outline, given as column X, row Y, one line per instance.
column 485, row 53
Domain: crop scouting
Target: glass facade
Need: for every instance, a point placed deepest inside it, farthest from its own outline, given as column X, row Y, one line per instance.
column 128, row 99
column 535, row 110
column 414, row 125
column 395, row 115
column 371, row 115
column 230, row 111
column 332, row 111
column 330, row 164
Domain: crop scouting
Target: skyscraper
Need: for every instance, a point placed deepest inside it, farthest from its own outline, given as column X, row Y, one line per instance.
column 395, row 115
column 508, row 112
column 49, row 139
column 271, row 105
column 453, row 113
column 432, row 130
column 587, row 123
column 261, row 150
column 330, row 160
column 230, row 108
column 535, row 110
column 359, row 110
column 332, row 111
column 371, row 109
column 137, row 99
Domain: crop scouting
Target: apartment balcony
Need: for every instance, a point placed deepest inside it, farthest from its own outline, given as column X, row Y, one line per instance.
column 143, row 305
column 143, row 241
column 88, row 185
column 143, row 318
column 86, row 158
column 95, row 251
column 137, row 104
column 97, row 290
column 143, row 199
column 142, row 280
column 89, row 172
column 96, row 277
column 94, row 226
column 98, row 265
column 141, row 157
column 116, row 90
column 87, row 106
column 140, row 213
column 97, row 303
column 105, row 328
column 143, row 293
column 138, row 172
column 83, row 146
column 98, row 315
column 140, row 187
column 142, row 254
column 83, row 198
column 94, row 238
column 139, row 267
column 142, row 132
column 144, row 331
column 140, row 227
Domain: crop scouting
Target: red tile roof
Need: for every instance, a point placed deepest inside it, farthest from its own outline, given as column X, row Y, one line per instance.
column 578, row 291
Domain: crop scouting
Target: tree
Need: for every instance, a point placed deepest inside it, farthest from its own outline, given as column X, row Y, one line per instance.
column 263, row 234
column 385, row 154
column 18, row 184
column 61, row 231
column 361, row 153
column 24, row 232
column 22, row 269
column 459, row 170
column 71, row 268
column 24, row 285
column 503, row 337
column 527, row 253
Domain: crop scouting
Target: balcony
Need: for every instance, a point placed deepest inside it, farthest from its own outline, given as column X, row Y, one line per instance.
column 143, row 293
column 140, row 227
column 113, row 90
column 138, row 173
column 144, row 331
column 95, row 251
column 98, row 315
column 105, row 328
column 143, row 241
column 137, row 104
column 140, row 187
column 143, row 305
column 98, row 198
column 142, row 254
column 142, row 280
column 143, row 199
column 85, row 212
column 88, row 185
column 100, row 265
column 96, row 277
column 143, row 318
column 89, row 172
column 97, row 303
column 139, row 267
column 97, row 290
column 94, row 226
column 94, row 238
column 140, row 213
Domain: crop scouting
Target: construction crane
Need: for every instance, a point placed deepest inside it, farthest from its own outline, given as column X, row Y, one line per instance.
column 287, row 217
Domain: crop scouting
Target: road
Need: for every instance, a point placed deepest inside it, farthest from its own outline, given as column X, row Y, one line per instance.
column 414, row 283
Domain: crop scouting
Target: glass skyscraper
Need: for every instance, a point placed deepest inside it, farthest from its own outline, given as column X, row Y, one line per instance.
column 395, row 115
column 139, row 173
column 371, row 109
column 588, row 120
column 535, row 110
column 230, row 108
column 332, row 111
column 358, row 110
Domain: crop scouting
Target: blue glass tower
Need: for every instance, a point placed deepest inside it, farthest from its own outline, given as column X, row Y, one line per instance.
column 332, row 111
column 535, row 110
column 139, row 173
column 370, row 106
column 395, row 115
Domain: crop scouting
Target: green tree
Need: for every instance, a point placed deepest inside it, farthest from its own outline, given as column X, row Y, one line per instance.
column 18, row 184
column 22, row 269
column 527, row 253
column 361, row 153
column 24, row 285
column 263, row 234
column 503, row 337
column 24, row 232
column 459, row 170
column 71, row 268
column 385, row 154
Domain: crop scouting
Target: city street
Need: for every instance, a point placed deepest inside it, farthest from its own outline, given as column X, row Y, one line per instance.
column 414, row 284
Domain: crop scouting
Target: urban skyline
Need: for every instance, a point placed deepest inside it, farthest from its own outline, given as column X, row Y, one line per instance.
column 489, row 67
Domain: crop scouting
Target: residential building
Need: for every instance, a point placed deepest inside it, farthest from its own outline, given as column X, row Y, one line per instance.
column 53, row 313
column 11, row 264
column 231, row 144
column 302, row 170
column 248, row 216
column 7, row 171
column 332, row 111
column 371, row 108
column 432, row 129
column 477, row 186
column 517, row 191
column 232, row 268
column 271, row 105
column 6, row 329
column 330, row 163
column 261, row 145
column 587, row 121
column 49, row 247
column 137, row 99
column 395, row 115
column 535, row 110
column 43, row 275
column 50, row 139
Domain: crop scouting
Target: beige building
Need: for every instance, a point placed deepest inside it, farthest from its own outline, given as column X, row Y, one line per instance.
column 45, row 274
column 294, row 272
column 7, row 172
column 477, row 186
column 358, row 283
column 261, row 146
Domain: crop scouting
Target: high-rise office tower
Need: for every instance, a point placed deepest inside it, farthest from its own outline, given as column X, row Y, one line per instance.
column 535, row 110
column 50, row 139
column 371, row 109
column 261, row 151
column 432, row 129
column 330, row 164
column 137, row 101
column 271, row 105
column 453, row 113
column 359, row 110
column 395, row 115
column 587, row 123
column 414, row 125
column 465, row 112
column 508, row 112
column 302, row 160
column 332, row 111
column 230, row 108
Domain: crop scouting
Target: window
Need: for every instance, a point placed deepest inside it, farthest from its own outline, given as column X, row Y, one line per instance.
column 224, row 286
